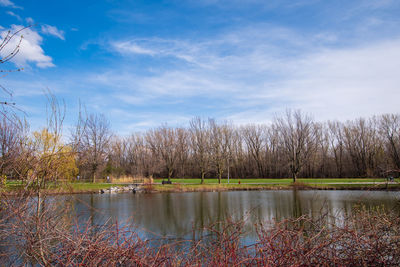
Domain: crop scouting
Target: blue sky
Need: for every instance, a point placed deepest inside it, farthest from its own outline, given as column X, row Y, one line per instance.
column 144, row 63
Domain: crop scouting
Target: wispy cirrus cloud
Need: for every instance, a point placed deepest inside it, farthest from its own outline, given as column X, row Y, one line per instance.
column 29, row 20
column 14, row 15
column 238, row 60
column 8, row 3
column 155, row 47
column 53, row 31
column 264, row 70
column 133, row 48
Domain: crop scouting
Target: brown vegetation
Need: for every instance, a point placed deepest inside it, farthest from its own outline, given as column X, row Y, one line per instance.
column 51, row 237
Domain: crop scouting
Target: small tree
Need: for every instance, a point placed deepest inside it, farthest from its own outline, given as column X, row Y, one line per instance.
column 52, row 160
column 47, row 157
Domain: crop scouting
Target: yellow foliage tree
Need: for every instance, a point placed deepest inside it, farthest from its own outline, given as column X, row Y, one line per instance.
column 51, row 160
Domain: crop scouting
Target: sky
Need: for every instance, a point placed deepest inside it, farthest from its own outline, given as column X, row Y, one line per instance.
column 147, row 63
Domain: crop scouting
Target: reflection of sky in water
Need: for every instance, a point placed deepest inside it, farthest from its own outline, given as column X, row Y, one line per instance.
column 176, row 214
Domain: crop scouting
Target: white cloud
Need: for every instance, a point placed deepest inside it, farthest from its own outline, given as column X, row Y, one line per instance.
column 52, row 30
column 30, row 48
column 266, row 70
column 14, row 15
column 130, row 47
column 30, row 20
column 8, row 3
column 346, row 83
column 155, row 47
column 133, row 122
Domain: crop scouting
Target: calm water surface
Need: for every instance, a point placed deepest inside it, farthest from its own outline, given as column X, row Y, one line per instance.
column 177, row 214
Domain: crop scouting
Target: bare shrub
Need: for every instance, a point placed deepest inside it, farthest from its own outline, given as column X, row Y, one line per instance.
column 366, row 238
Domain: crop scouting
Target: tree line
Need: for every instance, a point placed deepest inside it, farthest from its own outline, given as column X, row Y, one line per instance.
column 293, row 145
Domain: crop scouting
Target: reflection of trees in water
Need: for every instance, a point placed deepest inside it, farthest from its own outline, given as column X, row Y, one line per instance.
column 297, row 211
column 177, row 214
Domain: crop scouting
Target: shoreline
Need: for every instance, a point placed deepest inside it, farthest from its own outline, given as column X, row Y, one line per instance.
column 183, row 188
column 223, row 188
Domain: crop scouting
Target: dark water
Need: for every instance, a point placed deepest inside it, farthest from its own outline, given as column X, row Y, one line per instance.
column 177, row 214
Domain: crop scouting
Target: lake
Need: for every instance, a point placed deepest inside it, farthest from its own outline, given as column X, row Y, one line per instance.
column 177, row 214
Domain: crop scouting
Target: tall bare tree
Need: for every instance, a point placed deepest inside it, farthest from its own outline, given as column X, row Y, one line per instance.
column 183, row 149
column 237, row 154
column 118, row 155
column 220, row 144
column 363, row 145
column 336, row 139
column 390, row 129
column 139, row 156
column 163, row 141
column 254, row 137
column 95, row 140
column 200, row 142
column 297, row 139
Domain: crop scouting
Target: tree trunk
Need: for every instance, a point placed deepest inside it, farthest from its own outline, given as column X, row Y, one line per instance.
column 39, row 240
column 170, row 171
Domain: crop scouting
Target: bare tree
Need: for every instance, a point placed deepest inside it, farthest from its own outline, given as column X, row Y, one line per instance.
column 200, row 142
column 390, row 130
column 297, row 139
column 118, row 156
column 95, row 141
column 293, row 145
column 319, row 163
column 237, row 153
column 254, row 138
column 220, row 144
column 273, row 154
column 336, row 139
column 363, row 145
column 183, row 149
column 163, row 141
column 139, row 156
column 12, row 134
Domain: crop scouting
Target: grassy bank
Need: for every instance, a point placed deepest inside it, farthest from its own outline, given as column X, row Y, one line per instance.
column 192, row 185
column 279, row 181
column 189, row 185
column 64, row 188
column 277, row 186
